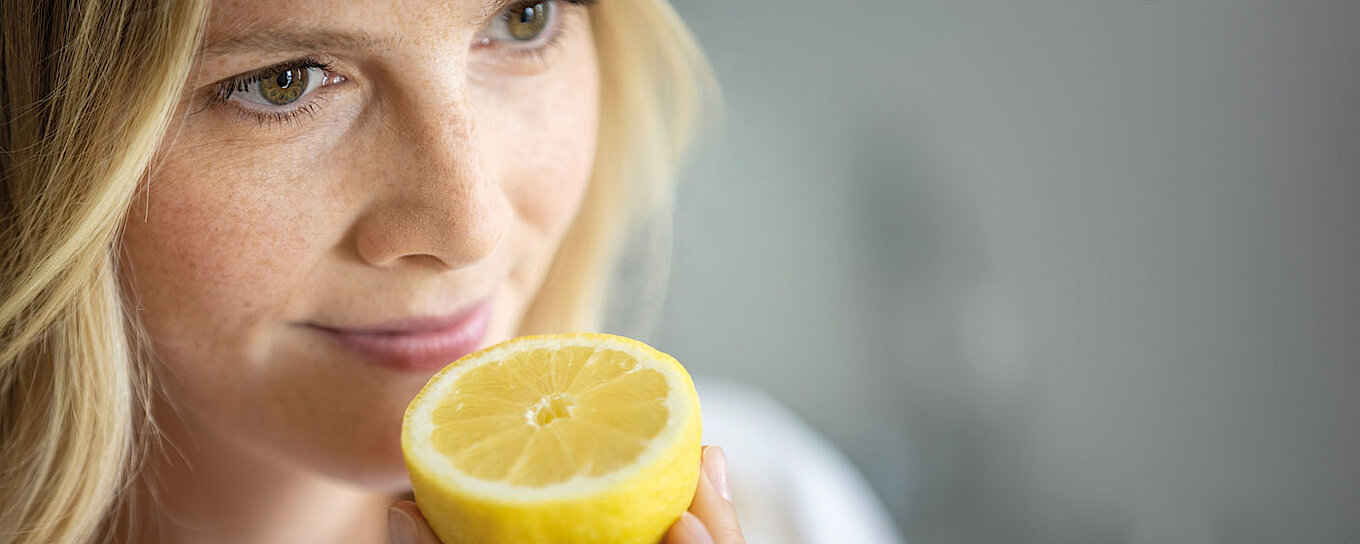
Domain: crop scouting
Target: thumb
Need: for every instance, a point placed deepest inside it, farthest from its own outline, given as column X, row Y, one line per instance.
column 406, row 525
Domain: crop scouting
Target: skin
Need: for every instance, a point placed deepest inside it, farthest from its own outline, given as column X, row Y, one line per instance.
column 437, row 169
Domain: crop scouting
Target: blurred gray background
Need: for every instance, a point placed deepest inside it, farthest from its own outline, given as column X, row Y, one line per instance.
column 1081, row 272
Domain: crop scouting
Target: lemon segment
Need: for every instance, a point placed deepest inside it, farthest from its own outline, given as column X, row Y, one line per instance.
column 563, row 438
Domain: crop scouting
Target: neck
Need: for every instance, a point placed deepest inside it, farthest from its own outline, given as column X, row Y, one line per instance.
column 197, row 488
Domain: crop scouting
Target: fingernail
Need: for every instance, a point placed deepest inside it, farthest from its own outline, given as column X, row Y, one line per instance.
column 401, row 527
column 694, row 530
column 715, row 468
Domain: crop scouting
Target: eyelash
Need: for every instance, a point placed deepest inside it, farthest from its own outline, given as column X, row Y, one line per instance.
column 223, row 90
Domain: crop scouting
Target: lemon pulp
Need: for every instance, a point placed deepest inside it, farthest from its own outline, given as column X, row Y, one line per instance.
column 514, row 422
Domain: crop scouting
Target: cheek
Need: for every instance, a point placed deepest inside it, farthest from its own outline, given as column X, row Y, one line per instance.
column 209, row 258
column 547, row 147
column 547, row 193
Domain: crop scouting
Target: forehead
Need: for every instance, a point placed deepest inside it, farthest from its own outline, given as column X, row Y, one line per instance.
column 236, row 26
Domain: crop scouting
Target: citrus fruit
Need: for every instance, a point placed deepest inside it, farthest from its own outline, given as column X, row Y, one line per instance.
column 566, row 438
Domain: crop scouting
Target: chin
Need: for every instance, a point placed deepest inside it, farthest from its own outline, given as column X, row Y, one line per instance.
column 379, row 471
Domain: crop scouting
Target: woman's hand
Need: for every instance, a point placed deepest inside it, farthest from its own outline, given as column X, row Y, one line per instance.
column 711, row 518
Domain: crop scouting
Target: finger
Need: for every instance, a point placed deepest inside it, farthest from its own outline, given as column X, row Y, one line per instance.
column 688, row 530
column 713, row 499
column 406, row 525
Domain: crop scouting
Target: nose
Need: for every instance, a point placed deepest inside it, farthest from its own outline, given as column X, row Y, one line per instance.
column 437, row 200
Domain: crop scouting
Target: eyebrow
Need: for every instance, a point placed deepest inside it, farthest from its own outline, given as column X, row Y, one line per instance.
column 270, row 40
column 258, row 39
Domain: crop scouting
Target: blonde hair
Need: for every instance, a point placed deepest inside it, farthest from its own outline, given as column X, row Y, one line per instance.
column 74, row 400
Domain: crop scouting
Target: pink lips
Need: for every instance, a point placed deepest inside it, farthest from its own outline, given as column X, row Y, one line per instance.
column 419, row 344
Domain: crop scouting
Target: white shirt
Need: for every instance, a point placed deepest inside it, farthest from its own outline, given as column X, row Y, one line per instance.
column 790, row 485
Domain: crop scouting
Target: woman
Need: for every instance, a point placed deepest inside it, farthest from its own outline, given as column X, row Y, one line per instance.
column 238, row 238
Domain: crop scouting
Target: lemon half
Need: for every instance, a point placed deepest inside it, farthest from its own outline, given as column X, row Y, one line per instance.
column 567, row 438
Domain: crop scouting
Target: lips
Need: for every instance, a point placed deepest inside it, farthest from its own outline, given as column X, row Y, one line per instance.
column 417, row 344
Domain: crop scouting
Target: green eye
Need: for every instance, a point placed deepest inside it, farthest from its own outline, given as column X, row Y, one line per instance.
column 527, row 21
column 285, row 86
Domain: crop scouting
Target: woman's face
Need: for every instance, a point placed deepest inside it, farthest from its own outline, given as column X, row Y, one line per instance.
column 319, row 236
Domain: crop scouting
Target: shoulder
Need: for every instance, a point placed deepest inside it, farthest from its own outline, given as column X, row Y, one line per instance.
column 789, row 483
